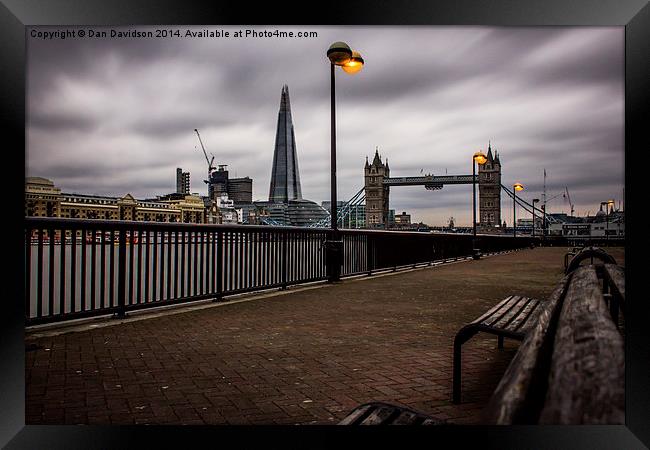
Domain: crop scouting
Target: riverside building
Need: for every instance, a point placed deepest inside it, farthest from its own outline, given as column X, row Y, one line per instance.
column 44, row 199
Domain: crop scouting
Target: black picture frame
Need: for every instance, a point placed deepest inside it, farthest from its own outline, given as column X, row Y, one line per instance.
column 15, row 15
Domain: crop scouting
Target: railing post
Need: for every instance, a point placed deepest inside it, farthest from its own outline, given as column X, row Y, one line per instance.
column 121, row 276
column 39, row 275
column 51, row 236
column 285, row 260
column 369, row 244
column 28, row 270
column 415, row 262
column 219, row 266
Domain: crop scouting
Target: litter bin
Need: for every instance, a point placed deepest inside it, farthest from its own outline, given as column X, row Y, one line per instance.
column 334, row 259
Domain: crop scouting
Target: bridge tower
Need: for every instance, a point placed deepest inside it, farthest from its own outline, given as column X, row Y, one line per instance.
column 489, row 186
column 376, row 192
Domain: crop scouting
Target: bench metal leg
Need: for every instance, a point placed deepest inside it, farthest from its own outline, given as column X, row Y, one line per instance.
column 566, row 263
column 461, row 337
column 499, row 341
column 613, row 308
column 611, row 300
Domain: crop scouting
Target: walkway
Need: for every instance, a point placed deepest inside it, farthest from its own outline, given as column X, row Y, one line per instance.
column 303, row 357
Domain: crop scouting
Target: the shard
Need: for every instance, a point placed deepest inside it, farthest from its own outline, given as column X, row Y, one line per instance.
column 286, row 206
column 285, row 178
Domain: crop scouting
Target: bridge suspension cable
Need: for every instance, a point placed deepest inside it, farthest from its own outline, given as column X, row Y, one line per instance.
column 269, row 221
column 344, row 212
column 529, row 207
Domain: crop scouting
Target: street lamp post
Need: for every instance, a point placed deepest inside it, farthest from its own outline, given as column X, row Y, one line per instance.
column 535, row 200
column 339, row 54
column 478, row 158
column 515, row 187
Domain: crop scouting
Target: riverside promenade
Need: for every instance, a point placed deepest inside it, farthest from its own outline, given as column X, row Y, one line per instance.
column 307, row 355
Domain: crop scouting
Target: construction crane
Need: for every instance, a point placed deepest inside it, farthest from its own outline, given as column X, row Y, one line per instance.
column 565, row 195
column 568, row 197
column 211, row 168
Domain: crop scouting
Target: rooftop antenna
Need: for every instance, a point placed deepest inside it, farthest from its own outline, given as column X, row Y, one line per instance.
column 544, row 193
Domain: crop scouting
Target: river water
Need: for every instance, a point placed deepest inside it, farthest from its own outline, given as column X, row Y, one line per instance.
column 246, row 264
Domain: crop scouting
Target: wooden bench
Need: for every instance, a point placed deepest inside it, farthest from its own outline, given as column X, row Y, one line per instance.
column 513, row 318
column 586, row 253
column 570, row 254
column 379, row 413
column 570, row 367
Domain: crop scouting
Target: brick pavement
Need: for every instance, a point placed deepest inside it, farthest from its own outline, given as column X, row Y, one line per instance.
column 305, row 357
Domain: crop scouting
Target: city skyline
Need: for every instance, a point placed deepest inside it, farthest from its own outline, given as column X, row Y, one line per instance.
column 546, row 98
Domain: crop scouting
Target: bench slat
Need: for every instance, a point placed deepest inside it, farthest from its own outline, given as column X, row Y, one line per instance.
column 354, row 415
column 490, row 321
column 513, row 314
column 492, row 310
column 586, row 381
column 406, row 418
column 379, row 415
column 527, row 317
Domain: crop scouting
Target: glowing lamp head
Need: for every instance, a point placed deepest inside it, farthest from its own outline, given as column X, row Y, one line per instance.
column 354, row 65
column 480, row 158
column 339, row 53
column 610, row 202
column 518, row 187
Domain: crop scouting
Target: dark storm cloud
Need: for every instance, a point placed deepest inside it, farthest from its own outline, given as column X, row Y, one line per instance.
column 55, row 122
column 111, row 116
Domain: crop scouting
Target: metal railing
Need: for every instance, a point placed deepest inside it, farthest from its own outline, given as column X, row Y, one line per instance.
column 80, row 268
column 583, row 241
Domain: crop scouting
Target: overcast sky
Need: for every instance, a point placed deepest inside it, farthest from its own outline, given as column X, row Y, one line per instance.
column 113, row 116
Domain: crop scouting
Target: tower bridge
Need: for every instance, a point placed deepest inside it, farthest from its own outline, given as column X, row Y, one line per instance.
column 372, row 200
column 377, row 184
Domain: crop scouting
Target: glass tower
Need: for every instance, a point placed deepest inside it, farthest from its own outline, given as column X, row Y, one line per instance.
column 285, row 178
